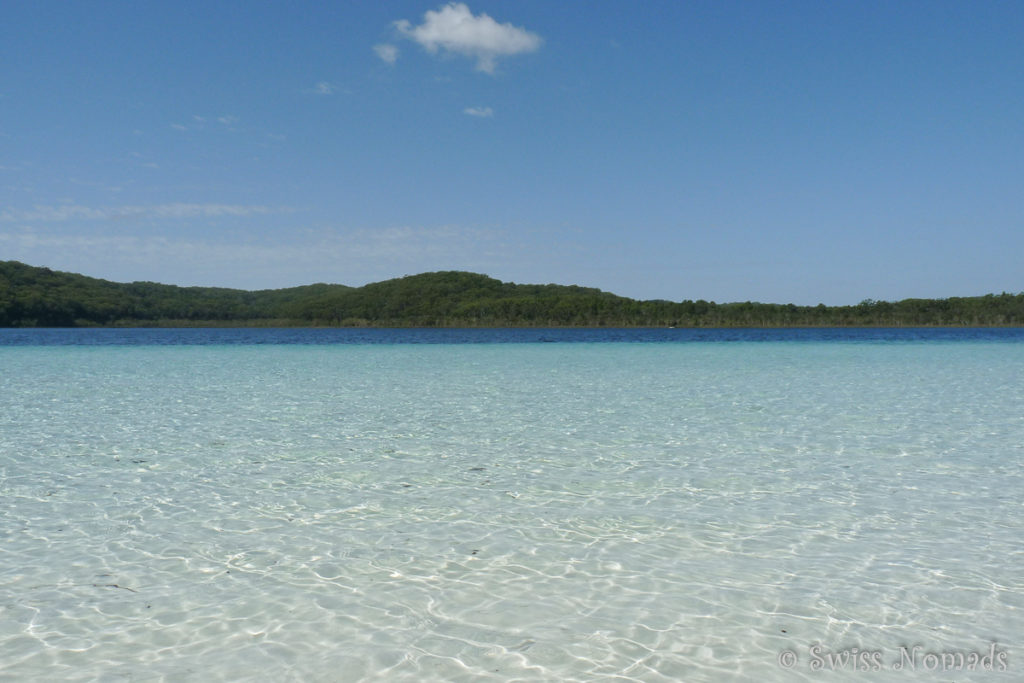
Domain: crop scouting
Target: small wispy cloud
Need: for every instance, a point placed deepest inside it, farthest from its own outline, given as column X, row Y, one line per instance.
column 480, row 112
column 324, row 88
column 387, row 52
column 198, row 122
column 454, row 28
column 305, row 256
column 67, row 212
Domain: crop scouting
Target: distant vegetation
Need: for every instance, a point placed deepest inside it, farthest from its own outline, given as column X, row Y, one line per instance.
column 40, row 297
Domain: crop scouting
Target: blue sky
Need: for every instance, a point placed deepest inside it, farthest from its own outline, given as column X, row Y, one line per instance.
column 798, row 152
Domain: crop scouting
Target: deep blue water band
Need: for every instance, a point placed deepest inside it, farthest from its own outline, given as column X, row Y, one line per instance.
column 248, row 336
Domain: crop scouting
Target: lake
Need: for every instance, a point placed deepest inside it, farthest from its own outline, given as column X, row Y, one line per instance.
column 550, row 505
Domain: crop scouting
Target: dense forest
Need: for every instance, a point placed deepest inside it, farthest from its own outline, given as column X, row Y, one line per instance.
column 40, row 297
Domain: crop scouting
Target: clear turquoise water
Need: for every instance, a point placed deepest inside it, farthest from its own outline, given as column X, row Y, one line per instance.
column 560, row 512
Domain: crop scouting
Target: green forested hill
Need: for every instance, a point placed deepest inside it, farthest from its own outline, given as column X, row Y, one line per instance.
column 40, row 297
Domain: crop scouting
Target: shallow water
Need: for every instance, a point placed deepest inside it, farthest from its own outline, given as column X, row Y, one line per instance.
column 252, row 508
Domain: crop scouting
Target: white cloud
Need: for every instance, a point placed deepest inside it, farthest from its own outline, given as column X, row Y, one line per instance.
column 323, row 88
column 455, row 29
column 482, row 112
column 388, row 53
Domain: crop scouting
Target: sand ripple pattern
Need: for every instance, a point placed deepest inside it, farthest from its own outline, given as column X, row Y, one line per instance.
column 591, row 512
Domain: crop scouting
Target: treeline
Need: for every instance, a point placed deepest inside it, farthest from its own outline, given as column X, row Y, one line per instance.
column 40, row 297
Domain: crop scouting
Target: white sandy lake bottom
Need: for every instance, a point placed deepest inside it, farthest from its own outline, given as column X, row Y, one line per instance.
column 568, row 512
